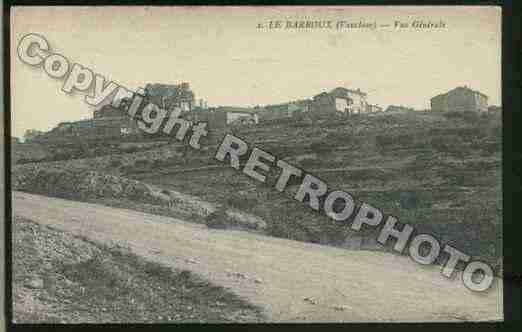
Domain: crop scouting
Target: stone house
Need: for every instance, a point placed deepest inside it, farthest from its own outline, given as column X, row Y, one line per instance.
column 110, row 121
column 169, row 96
column 107, row 121
column 341, row 100
column 327, row 103
column 359, row 98
column 460, row 99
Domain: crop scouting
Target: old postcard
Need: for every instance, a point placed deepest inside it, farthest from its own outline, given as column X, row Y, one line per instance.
column 256, row 164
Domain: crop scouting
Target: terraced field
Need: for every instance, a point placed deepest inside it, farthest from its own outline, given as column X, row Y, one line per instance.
column 438, row 172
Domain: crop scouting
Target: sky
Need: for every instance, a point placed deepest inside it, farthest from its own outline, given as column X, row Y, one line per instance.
column 228, row 60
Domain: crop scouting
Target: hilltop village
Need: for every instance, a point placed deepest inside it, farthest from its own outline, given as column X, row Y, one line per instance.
column 110, row 121
column 438, row 170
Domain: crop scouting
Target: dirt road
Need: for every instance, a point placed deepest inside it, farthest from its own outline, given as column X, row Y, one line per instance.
column 292, row 281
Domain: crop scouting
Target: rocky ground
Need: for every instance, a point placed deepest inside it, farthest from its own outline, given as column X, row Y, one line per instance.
column 61, row 278
column 289, row 281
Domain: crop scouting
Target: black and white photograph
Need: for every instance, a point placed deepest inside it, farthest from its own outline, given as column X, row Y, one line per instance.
column 267, row 164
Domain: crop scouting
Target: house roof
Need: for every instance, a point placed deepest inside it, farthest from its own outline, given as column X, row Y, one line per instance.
column 344, row 90
column 461, row 88
column 340, row 92
column 158, row 90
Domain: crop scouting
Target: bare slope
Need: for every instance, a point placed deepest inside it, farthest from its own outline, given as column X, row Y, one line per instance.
column 60, row 278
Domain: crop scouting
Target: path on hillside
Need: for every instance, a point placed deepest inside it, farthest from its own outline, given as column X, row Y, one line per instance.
column 292, row 281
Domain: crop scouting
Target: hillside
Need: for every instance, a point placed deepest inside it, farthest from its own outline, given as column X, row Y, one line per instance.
column 283, row 280
column 62, row 278
column 439, row 172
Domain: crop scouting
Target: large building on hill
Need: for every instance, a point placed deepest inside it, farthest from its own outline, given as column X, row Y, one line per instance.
column 328, row 103
column 107, row 121
column 95, row 128
column 340, row 100
column 169, row 96
column 460, row 99
column 110, row 121
column 337, row 101
column 359, row 99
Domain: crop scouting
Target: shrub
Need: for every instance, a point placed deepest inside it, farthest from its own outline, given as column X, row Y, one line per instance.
column 383, row 141
column 321, row 147
column 157, row 163
column 241, row 202
column 445, row 143
column 131, row 149
column 115, row 163
column 218, row 219
column 339, row 138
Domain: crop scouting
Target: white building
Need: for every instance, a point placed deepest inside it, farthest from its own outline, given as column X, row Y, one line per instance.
column 359, row 99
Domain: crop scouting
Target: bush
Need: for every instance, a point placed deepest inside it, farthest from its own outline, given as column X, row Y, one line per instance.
column 218, row 219
column 383, row 141
column 321, row 148
column 158, row 163
column 446, row 143
column 115, row 163
column 339, row 138
column 241, row 202
column 131, row 149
